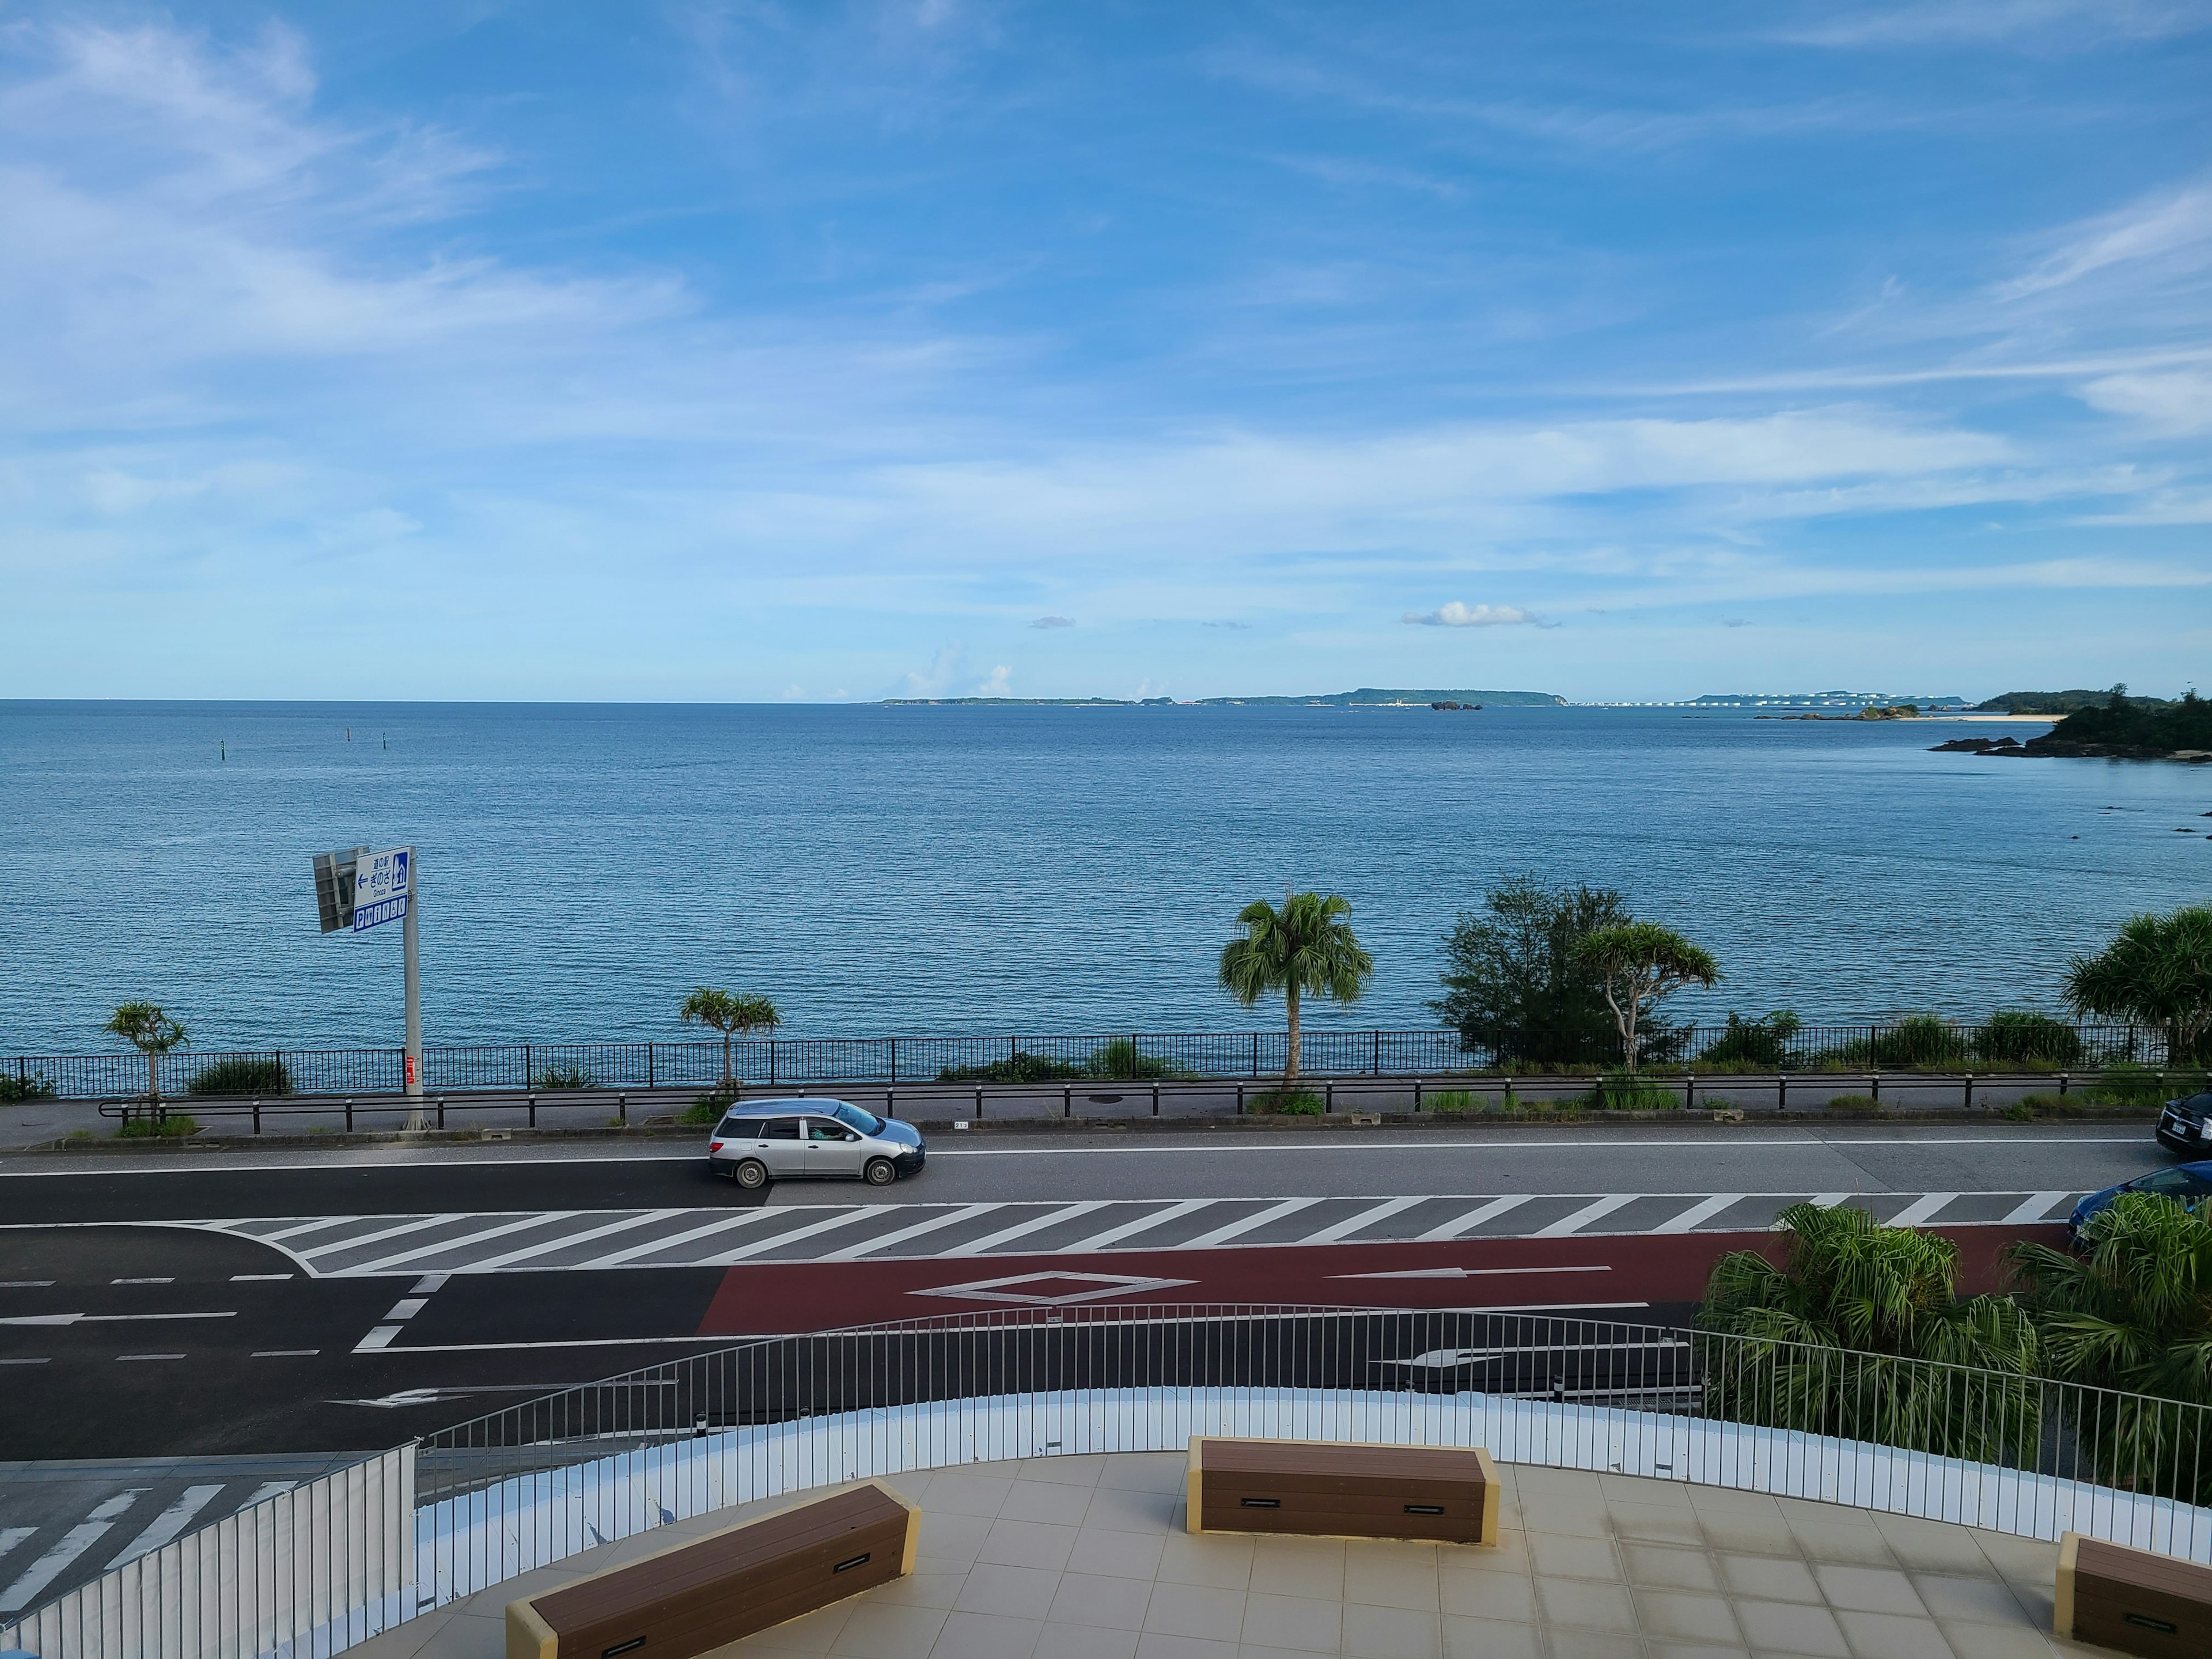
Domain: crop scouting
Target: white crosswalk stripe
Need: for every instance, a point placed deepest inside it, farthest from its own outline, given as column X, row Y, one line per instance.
column 73, row 1543
column 168, row 1523
column 883, row 1230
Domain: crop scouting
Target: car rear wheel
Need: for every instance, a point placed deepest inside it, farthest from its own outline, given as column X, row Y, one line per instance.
column 751, row 1175
column 880, row 1172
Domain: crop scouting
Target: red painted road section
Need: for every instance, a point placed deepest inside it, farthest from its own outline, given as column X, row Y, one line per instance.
column 1564, row 1273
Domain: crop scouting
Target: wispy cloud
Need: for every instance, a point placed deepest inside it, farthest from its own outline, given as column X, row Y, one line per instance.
column 1976, row 22
column 1453, row 614
column 2173, row 226
column 1054, row 622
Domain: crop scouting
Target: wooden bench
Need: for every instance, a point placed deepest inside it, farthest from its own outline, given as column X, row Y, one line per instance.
column 2132, row 1599
column 698, row 1596
column 1331, row 1489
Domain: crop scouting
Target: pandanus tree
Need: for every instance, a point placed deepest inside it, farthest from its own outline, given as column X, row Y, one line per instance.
column 1305, row 949
column 2156, row 971
column 146, row 1027
column 1639, row 963
column 1827, row 1343
column 729, row 1013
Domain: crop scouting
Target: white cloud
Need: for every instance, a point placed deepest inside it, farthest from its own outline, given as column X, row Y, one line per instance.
column 944, row 668
column 2180, row 403
column 2173, row 226
column 1969, row 22
column 1453, row 614
column 999, row 684
column 1054, row 622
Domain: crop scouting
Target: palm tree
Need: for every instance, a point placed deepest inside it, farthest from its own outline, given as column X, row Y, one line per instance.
column 2156, row 971
column 728, row 1013
column 149, row 1029
column 1638, row 962
column 1828, row 1343
column 2135, row 1314
column 1304, row 948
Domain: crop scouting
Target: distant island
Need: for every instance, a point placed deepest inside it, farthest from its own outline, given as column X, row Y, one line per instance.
column 1365, row 698
column 2114, row 726
column 2060, row 703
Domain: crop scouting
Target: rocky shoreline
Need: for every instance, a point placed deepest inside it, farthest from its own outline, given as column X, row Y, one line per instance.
column 2051, row 744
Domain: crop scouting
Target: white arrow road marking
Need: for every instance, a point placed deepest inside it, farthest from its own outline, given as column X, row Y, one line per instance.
column 1475, row 1218
column 75, row 1542
column 1250, row 1223
column 854, row 1252
column 1569, row 1224
column 2034, row 1206
column 168, row 1523
column 105, row 1319
column 1704, row 1210
column 1923, row 1208
column 1475, row 1272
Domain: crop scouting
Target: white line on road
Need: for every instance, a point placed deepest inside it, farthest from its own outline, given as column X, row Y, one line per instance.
column 295, row 1230
column 1473, row 1219
column 412, row 1224
column 142, row 1281
column 387, row 1263
column 865, row 1247
column 745, row 1252
column 259, row 1278
column 1368, row 1217
column 75, row 1542
column 269, row 1489
column 284, row 1353
column 11, row 1537
column 379, row 1338
column 1704, row 1210
column 2034, row 1206
column 1131, row 1229
column 1035, row 1224
column 1923, row 1208
column 24, row 1284
column 47, row 1360
column 105, row 1319
column 168, row 1523
column 1237, row 1229
column 624, row 1224
column 122, row 1358
column 723, row 1222
column 1566, row 1225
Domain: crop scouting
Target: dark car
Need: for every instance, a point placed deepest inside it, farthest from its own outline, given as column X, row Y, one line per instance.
column 2183, row 1126
column 2188, row 1183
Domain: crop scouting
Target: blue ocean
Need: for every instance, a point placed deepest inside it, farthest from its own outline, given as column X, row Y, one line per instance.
column 881, row 870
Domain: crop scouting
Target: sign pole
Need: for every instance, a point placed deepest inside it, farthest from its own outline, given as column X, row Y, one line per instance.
column 411, row 972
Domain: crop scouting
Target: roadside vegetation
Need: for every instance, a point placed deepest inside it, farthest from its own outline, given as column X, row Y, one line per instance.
column 30, row 1085
column 147, row 1028
column 1118, row 1061
column 242, row 1077
column 731, row 1014
column 1305, row 949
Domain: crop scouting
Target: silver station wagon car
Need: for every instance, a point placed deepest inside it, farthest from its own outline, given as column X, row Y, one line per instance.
column 758, row 1141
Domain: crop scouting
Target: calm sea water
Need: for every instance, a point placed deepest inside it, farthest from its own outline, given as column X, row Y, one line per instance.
column 972, row 870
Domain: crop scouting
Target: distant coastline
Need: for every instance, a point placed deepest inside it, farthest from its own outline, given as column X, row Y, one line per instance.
column 1366, row 697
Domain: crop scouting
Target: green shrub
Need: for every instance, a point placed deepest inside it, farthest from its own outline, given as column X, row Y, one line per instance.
column 1920, row 1040
column 1451, row 1101
column 242, row 1077
column 710, row 1107
column 1297, row 1103
column 36, row 1086
column 2018, row 1035
column 176, row 1124
column 565, row 1077
column 1018, row 1068
column 1854, row 1106
column 1622, row 1091
column 1763, row 1042
column 1121, row 1062
column 2020, row 1111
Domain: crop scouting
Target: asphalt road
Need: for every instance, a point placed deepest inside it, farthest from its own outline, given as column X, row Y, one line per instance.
column 1102, row 1165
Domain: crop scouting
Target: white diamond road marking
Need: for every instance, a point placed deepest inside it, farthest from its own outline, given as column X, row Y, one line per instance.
column 889, row 1230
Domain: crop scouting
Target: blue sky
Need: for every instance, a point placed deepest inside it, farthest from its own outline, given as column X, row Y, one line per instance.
column 823, row 351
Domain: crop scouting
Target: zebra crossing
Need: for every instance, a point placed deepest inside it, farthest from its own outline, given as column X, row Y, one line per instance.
column 588, row 1240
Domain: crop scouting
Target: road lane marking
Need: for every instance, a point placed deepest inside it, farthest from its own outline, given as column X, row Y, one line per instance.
column 269, row 1489
column 1481, row 1272
column 723, row 1222
column 359, row 1241
column 379, row 1338
column 75, row 1542
column 1131, row 1229
column 168, row 1523
column 1473, row 1219
column 47, row 1360
column 105, row 1319
column 11, row 1537
column 24, row 1284
column 284, row 1353
column 123, row 1359
column 2034, row 1206
column 1250, row 1223
column 384, row 1264
column 1704, row 1210
column 1367, row 1217
column 744, row 1252
column 406, row 1308
column 529, row 1252
column 1567, row 1225
column 1922, row 1209
column 1035, row 1225
column 143, row 1281
column 259, row 1278
column 295, row 1230
column 854, row 1252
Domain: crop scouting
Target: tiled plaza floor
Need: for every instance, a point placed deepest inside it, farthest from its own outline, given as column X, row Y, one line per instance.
column 1086, row 1557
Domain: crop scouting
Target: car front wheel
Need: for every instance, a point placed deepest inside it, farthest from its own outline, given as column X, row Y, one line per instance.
column 751, row 1175
column 880, row 1172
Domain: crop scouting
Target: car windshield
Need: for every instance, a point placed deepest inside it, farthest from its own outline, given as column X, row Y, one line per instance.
column 2201, row 1104
column 854, row 1118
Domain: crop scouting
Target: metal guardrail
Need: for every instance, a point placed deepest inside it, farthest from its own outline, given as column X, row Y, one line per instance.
column 1135, row 1056
column 514, row 1489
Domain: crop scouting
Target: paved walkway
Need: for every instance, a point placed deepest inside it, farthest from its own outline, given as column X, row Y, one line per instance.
column 1086, row 1557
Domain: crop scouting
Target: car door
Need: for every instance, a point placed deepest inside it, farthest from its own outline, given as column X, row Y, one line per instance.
column 831, row 1148
column 780, row 1146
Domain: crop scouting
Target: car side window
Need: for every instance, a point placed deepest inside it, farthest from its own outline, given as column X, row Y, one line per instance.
column 2165, row 1181
column 817, row 1130
column 779, row 1128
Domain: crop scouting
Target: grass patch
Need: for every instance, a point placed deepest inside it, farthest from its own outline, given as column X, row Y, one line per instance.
column 1624, row 1093
column 565, row 1077
column 174, row 1127
column 242, row 1077
column 707, row 1108
column 1854, row 1106
column 1277, row 1102
column 1452, row 1101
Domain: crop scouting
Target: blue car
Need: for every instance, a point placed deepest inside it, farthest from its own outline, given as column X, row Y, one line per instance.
column 2188, row 1183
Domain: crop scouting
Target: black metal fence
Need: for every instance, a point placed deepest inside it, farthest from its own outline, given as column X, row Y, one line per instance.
column 1920, row 1042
